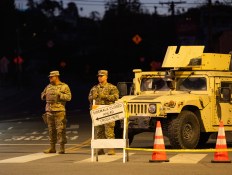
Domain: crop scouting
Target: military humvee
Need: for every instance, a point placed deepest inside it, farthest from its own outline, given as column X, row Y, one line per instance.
column 190, row 96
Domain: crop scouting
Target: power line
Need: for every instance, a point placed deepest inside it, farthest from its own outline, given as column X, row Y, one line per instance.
column 172, row 5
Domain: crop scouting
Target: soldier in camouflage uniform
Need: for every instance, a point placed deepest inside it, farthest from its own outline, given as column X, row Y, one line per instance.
column 104, row 93
column 56, row 95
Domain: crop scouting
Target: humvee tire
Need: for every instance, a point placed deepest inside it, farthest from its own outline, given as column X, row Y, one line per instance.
column 184, row 130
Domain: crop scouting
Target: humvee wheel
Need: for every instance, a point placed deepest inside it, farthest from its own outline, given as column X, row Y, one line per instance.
column 184, row 130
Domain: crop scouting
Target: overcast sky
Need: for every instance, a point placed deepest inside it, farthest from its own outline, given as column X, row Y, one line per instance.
column 87, row 6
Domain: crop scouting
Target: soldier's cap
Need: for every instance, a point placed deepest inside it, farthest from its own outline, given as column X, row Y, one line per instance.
column 102, row 72
column 54, row 73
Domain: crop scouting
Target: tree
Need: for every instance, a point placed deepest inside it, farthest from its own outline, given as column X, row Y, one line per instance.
column 50, row 8
column 72, row 10
column 121, row 7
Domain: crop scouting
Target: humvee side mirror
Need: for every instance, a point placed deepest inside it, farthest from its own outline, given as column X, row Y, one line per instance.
column 225, row 94
column 123, row 88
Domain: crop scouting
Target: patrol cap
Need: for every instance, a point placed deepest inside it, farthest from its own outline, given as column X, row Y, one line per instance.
column 54, row 73
column 102, row 72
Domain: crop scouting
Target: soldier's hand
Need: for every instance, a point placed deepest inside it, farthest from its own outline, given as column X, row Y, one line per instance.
column 103, row 96
column 57, row 92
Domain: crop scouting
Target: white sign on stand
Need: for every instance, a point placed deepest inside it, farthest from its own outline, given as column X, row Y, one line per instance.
column 102, row 114
column 107, row 113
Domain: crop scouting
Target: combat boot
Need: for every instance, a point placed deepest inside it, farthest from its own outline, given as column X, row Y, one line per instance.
column 52, row 149
column 101, row 152
column 62, row 149
column 111, row 152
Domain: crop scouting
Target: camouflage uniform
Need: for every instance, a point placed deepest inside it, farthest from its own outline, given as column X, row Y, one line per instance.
column 56, row 97
column 104, row 95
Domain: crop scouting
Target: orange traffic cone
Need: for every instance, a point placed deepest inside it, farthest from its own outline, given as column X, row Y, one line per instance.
column 221, row 156
column 159, row 156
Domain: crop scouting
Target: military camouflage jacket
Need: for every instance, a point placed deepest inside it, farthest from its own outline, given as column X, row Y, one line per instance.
column 103, row 94
column 56, row 96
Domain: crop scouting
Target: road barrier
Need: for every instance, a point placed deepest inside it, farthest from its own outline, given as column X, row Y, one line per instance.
column 220, row 153
column 180, row 150
column 159, row 156
column 221, row 156
column 102, row 114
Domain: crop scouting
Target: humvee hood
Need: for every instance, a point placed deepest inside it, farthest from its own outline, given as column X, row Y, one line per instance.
column 201, row 100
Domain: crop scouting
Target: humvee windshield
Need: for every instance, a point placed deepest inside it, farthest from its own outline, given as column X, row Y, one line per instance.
column 153, row 84
column 191, row 83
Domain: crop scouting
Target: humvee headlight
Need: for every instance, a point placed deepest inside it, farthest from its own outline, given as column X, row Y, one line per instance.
column 152, row 108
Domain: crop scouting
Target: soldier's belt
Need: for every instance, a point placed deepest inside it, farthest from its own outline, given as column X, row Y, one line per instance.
column 54, row 112
column 50, row 102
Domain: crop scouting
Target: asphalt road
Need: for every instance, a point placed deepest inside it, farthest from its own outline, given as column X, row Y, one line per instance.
column 22, row 141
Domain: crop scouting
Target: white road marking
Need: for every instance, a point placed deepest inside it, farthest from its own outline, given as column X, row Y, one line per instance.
column 179, row 158
column 27, row 158
column 38, row 137
column 35, row 132
column 187, row 158
column 73, row 138
column 105, row 158
column 19, row 138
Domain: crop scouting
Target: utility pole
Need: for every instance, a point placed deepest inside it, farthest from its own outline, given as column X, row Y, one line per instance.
column 155, row 10
column 210, row 25
column 172, row 5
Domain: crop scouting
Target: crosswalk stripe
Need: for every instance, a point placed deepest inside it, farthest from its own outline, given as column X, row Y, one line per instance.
column 179, row 158
column 105, row 158
column 27, row 158
column 187, row 158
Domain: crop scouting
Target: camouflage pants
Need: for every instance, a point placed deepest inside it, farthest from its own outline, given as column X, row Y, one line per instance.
column 105, row 131
column 57, row 127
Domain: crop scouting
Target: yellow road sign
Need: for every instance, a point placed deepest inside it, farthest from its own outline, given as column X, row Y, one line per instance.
column 136, row 39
